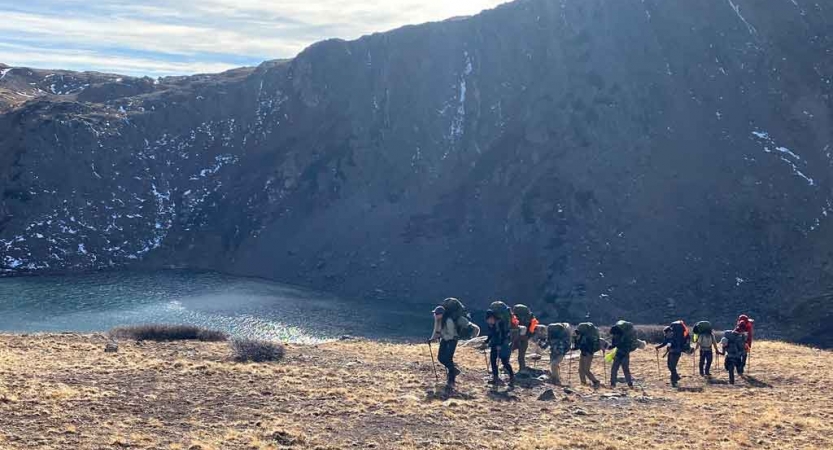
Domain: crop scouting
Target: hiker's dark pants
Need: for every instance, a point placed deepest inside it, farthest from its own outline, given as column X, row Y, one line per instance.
column 504, row 355
column 585, row 363
column 731, row 364
column 446, row 358
column 623, row 361
column 706, row 359
column 522, row 344
column 742, row 363
column 673, row 360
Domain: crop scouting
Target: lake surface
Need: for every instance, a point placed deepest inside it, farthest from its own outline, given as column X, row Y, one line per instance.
column 241, row 306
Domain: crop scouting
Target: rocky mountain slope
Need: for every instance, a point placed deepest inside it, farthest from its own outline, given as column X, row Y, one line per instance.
column 594, row 158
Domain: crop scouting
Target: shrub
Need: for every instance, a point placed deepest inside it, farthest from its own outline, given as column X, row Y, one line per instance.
column 245, row 350
column 162, row 332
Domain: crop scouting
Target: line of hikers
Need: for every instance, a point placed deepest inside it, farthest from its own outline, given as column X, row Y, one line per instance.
column 512, row 328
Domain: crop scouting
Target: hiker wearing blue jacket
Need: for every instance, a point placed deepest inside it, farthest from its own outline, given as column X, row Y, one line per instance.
column 499, row 342
column 675, row 351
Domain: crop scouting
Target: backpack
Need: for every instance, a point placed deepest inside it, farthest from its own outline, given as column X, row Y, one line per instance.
column 702, row 327
column 736, row 344
column 502, row 312
column 588, row 337
column 524, row 314
column 455, row 310
column 627, row 338
column 558, row 337
column 682, row 337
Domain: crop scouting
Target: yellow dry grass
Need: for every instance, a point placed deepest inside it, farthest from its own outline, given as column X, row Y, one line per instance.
column 63, row 391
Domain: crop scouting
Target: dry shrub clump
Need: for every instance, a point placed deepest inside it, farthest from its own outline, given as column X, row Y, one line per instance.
column 162, row 332
column 245, row 350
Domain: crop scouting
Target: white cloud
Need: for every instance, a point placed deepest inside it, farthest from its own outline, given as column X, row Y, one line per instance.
column 202, row 34
column 82, row 60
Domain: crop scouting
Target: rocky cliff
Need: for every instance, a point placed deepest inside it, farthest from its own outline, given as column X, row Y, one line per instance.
column 596, row 158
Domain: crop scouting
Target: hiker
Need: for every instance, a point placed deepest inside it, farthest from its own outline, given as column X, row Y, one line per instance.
column 499, row 342
column 527, row 324
column 451, row 324
column 587, row 342
column 558, row 341
column 706, row 341
column 745, row 326
column 678, row 340
column 623, row 342
column 445, row 331
column 734, row 347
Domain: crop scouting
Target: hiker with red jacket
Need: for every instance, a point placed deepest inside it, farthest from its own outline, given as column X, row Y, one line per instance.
column 745, row 326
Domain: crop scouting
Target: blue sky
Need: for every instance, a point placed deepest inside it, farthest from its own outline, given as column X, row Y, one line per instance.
column 168, row 37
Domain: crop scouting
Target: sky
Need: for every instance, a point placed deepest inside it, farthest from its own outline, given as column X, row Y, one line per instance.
column 176, row 37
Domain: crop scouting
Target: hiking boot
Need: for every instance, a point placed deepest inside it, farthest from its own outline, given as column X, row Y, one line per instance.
column 597, row 385
column 495, row 381
column 512, row 380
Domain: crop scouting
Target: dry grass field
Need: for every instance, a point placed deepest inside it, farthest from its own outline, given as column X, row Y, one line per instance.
column 65, row 392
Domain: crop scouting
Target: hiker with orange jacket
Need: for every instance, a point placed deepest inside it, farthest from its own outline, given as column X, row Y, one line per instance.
column 527, row 325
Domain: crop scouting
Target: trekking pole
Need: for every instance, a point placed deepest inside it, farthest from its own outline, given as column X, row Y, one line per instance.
column 748, row 360
column 570, row 372
column 659, row 372
column 604, row 361
column 433, row 365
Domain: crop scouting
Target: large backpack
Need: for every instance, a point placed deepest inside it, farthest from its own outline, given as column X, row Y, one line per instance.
column 736, row 344
column 628, row 339
column 455, row 310
column 588, row 337
column 523, row 313
column 682, row 337
column 702, row 327
column 502, row 312
column 558, row 337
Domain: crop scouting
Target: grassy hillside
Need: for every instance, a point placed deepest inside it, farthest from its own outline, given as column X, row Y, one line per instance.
column 63, row 391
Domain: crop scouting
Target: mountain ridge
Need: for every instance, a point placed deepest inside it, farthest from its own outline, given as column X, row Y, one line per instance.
column 596, row 159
